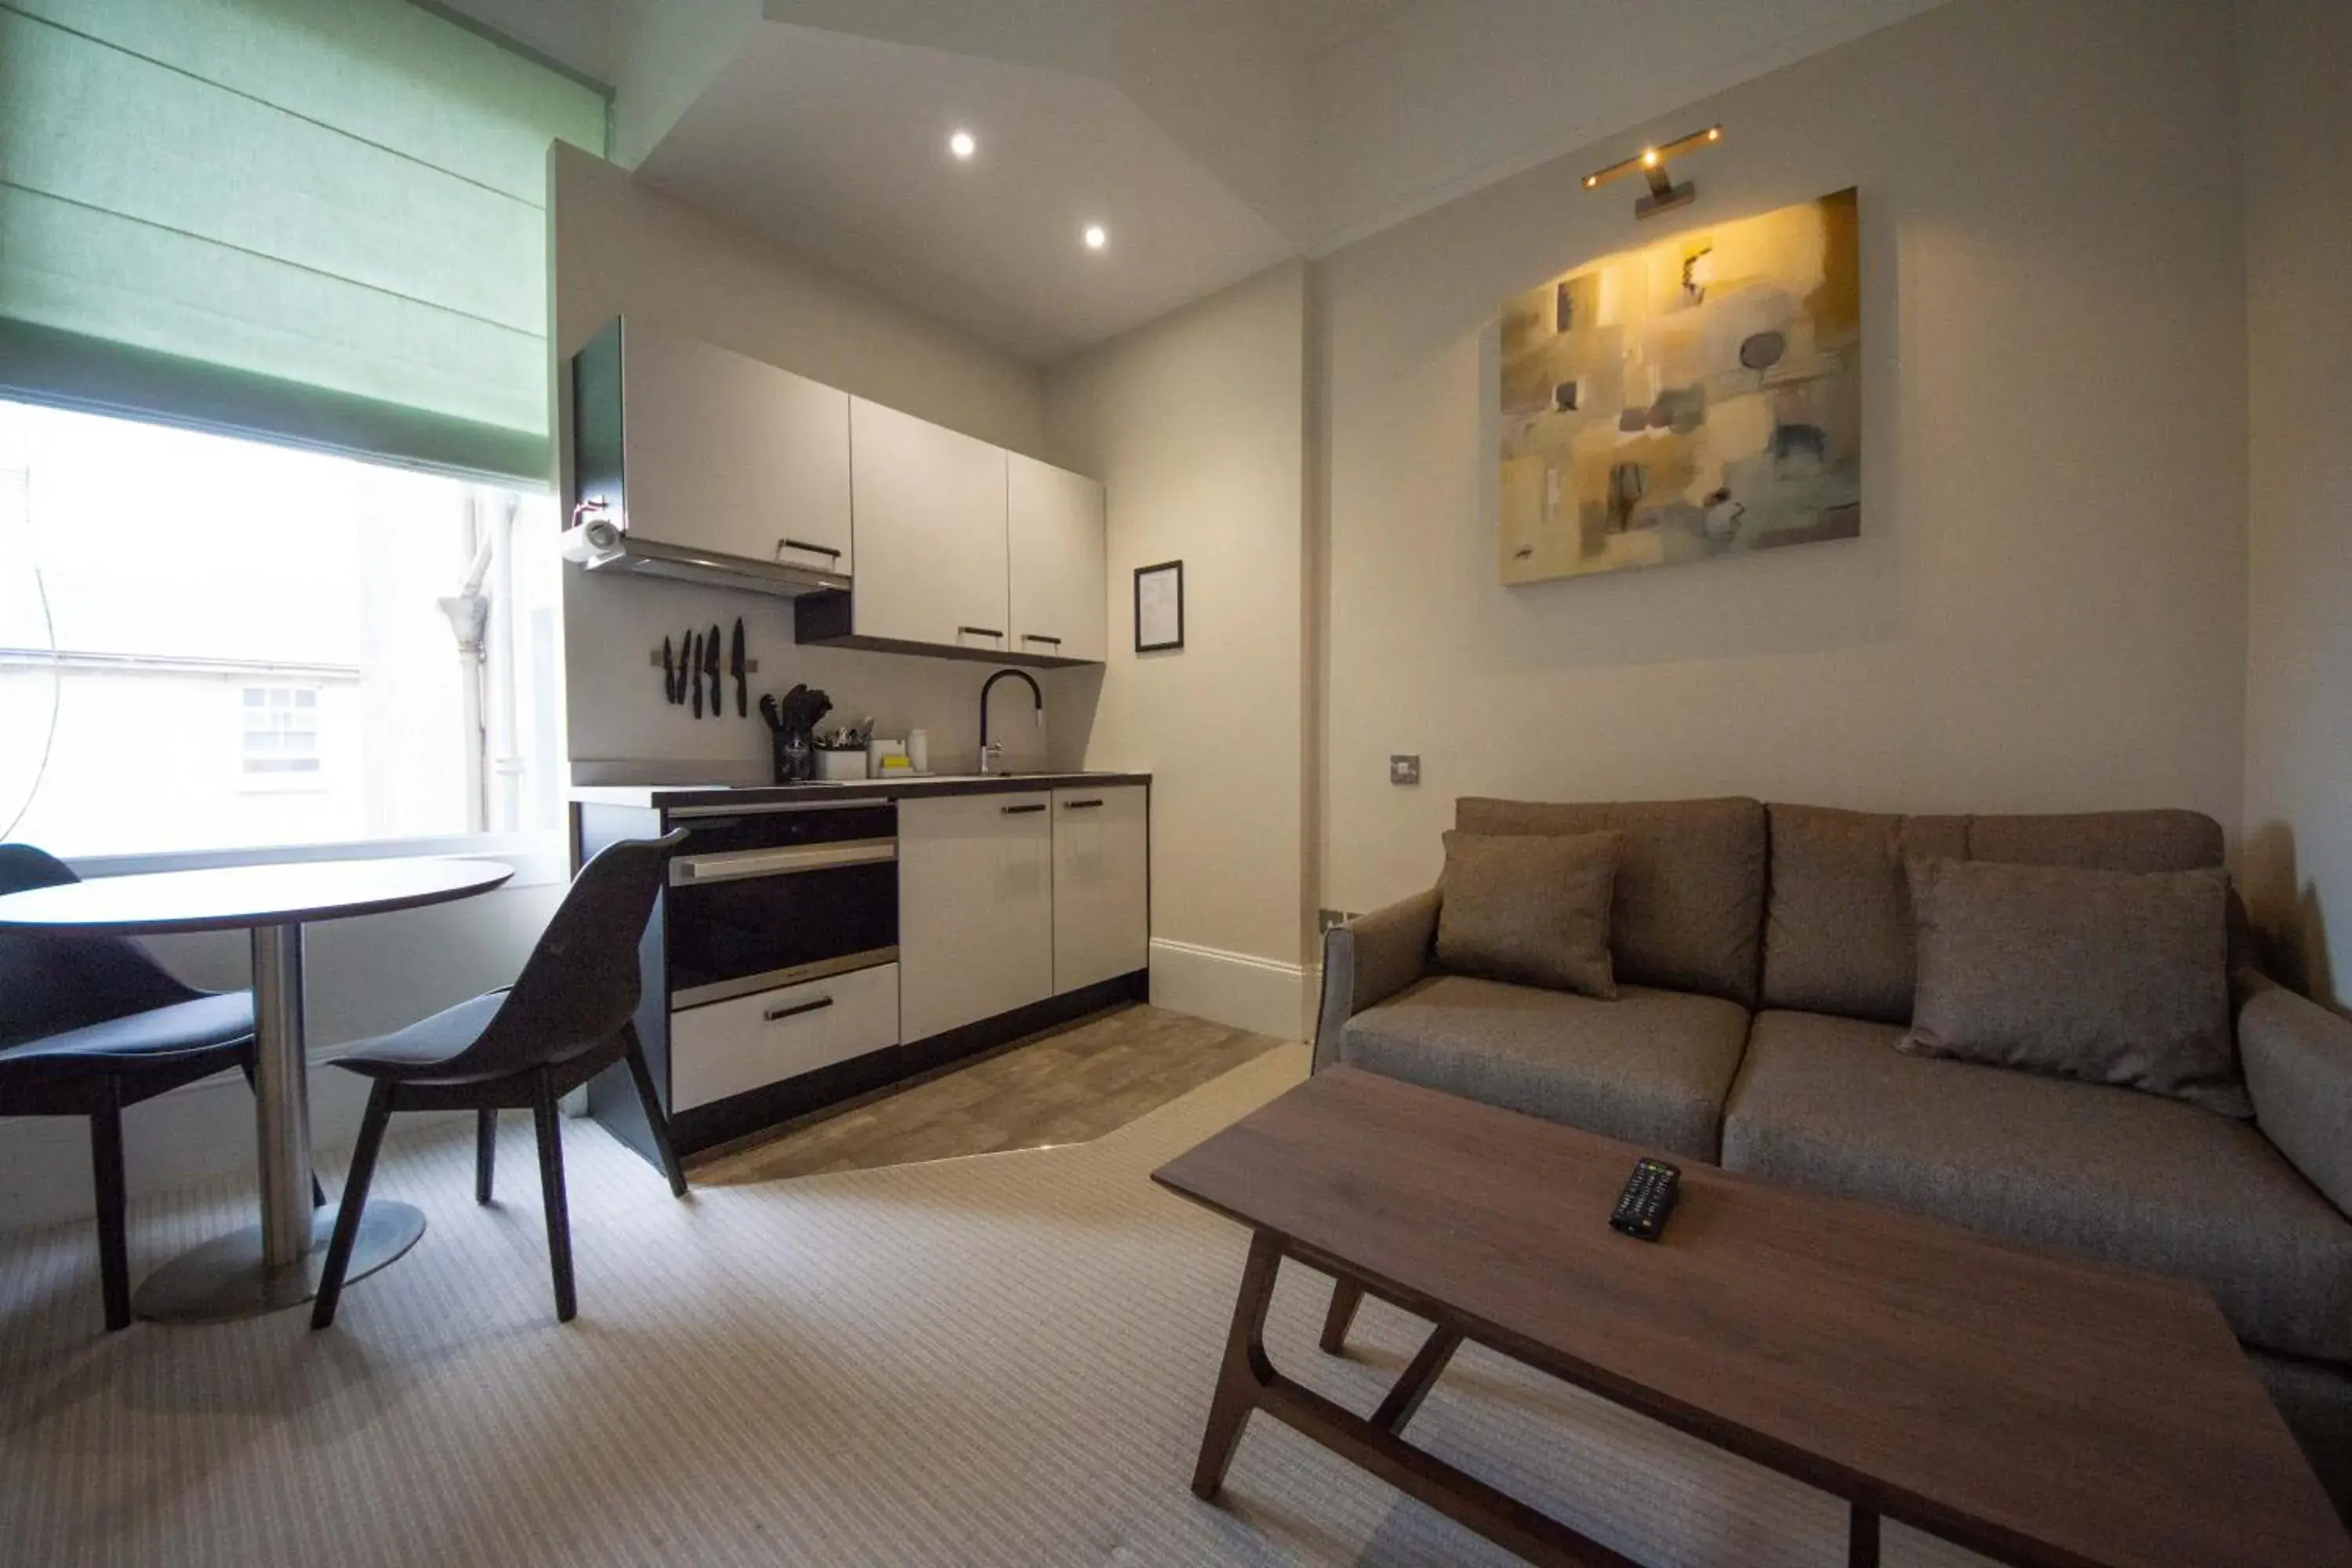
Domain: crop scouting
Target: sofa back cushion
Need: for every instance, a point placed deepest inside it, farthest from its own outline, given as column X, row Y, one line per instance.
column 2100, row 840
column 1688, row 909
column 1839, row 936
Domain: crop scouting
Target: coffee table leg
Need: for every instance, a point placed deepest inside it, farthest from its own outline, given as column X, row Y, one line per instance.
column 1862, row 1538
column 1245, row 1372
column 1413, row 1387
column 1346, row 1297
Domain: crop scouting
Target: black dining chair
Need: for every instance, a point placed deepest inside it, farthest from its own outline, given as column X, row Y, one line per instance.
column 567, row 1017
column 90, row 1023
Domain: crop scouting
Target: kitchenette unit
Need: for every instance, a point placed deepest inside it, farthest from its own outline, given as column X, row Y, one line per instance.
column 817, row 942
column 819, row 939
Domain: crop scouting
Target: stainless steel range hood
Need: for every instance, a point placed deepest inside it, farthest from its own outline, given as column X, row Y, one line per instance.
column 603, row 548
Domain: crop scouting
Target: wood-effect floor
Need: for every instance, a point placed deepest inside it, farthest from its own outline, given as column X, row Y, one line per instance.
column 1068, row 1085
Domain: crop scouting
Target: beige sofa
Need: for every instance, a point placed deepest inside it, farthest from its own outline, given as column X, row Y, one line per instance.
column 1764, row 956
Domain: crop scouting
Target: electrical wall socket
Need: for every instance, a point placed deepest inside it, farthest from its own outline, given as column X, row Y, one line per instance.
column 1404, row 770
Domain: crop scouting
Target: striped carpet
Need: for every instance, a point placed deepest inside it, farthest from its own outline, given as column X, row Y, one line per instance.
column 1001, row 1359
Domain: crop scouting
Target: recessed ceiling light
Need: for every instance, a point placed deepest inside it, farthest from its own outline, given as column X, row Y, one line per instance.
column 962, row 146
column 1095, row 236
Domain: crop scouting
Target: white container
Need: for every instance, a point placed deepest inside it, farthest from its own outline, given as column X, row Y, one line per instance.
column 919, row 750
column 840, row 767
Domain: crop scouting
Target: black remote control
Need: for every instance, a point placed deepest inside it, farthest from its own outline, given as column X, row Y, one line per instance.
column 1647, row 1200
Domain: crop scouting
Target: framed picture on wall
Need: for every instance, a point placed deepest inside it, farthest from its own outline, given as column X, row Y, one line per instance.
column 1160, row 607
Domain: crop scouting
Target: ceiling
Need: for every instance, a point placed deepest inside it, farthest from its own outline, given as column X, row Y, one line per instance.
column 1317, row 27
column 835, row 146
column 1211, row 138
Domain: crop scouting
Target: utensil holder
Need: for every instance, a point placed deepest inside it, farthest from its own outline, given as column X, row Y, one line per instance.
column 840, row 767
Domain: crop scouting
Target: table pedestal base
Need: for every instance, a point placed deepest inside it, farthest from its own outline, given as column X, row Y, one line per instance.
column 226, row 1277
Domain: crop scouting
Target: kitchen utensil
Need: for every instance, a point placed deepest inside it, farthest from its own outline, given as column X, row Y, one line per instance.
column 694, row 669
column 770, row 711
column 735, row 669
column 710, row 669
column 669, row 673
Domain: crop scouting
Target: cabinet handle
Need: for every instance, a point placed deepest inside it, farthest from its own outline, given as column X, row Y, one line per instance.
column 773, row 1014
column 1019, row 810
column 980, row 632
column 1040, row 636
column 784, row 545
column 1080, row 805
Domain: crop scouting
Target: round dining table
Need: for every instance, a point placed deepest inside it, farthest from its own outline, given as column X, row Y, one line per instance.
column 273, row 1265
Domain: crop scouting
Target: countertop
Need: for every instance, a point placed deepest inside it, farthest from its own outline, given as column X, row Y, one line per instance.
column 675, row 798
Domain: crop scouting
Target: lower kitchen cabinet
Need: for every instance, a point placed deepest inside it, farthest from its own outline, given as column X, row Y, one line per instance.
column 975, row 908
column 750, row 1041
column 1102, row 884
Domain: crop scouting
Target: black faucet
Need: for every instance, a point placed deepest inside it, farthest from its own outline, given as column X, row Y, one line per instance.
column 996, row 754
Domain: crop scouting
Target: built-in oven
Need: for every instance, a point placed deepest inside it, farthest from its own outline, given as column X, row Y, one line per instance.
column 770, row 895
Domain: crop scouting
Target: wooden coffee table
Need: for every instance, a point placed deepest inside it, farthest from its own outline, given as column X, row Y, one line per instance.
column 2036, row 1408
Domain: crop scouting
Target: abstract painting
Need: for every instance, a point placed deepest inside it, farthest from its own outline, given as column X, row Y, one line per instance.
column 1696, row 398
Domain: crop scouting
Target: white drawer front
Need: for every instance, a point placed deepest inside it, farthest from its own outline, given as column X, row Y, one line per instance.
column 747, row 1043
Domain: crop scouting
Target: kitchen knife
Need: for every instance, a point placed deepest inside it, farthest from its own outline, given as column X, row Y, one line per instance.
column 669, row 672
column 710, row 668
column 684, row 665
column 735, row 669
column 694, row 669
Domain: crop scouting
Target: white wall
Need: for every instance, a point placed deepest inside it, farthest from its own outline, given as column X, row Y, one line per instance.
column 2294, row 57
column 621, row 248
column 1448, row 96
column 2046, row 609
column 1196, row 425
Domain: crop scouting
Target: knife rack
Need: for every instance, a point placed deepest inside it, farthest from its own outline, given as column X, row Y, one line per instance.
column 751, row 666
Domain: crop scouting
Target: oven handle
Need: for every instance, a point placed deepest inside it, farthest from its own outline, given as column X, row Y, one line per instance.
column 692, row 871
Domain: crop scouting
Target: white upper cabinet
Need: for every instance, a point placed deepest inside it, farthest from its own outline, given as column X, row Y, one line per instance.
column 726, row 454
column 930, row 505
column 1061, row 605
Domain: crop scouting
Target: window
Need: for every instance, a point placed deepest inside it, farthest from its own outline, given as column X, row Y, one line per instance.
column 322, row 222
column 209, row 642
column 280, row 736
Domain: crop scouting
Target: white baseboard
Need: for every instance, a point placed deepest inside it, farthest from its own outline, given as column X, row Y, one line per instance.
column 1242, row 991
column 176, row 1139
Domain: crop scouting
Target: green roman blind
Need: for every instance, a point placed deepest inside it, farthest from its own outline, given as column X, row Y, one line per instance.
column 319, row 221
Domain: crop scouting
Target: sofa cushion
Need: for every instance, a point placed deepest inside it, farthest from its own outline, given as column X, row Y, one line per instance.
column 1838, row 936
column 1533, row 910
column 2129, row 1179
column 1650, row 1067
column 1689, row 904
column 2112, row 977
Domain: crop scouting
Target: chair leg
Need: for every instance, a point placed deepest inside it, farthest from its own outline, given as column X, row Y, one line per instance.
column 550, row 1192
column 113, row 1242
column 318, row 1192
column 486, row 1152
column 656, row 1122
column 354, row 1203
